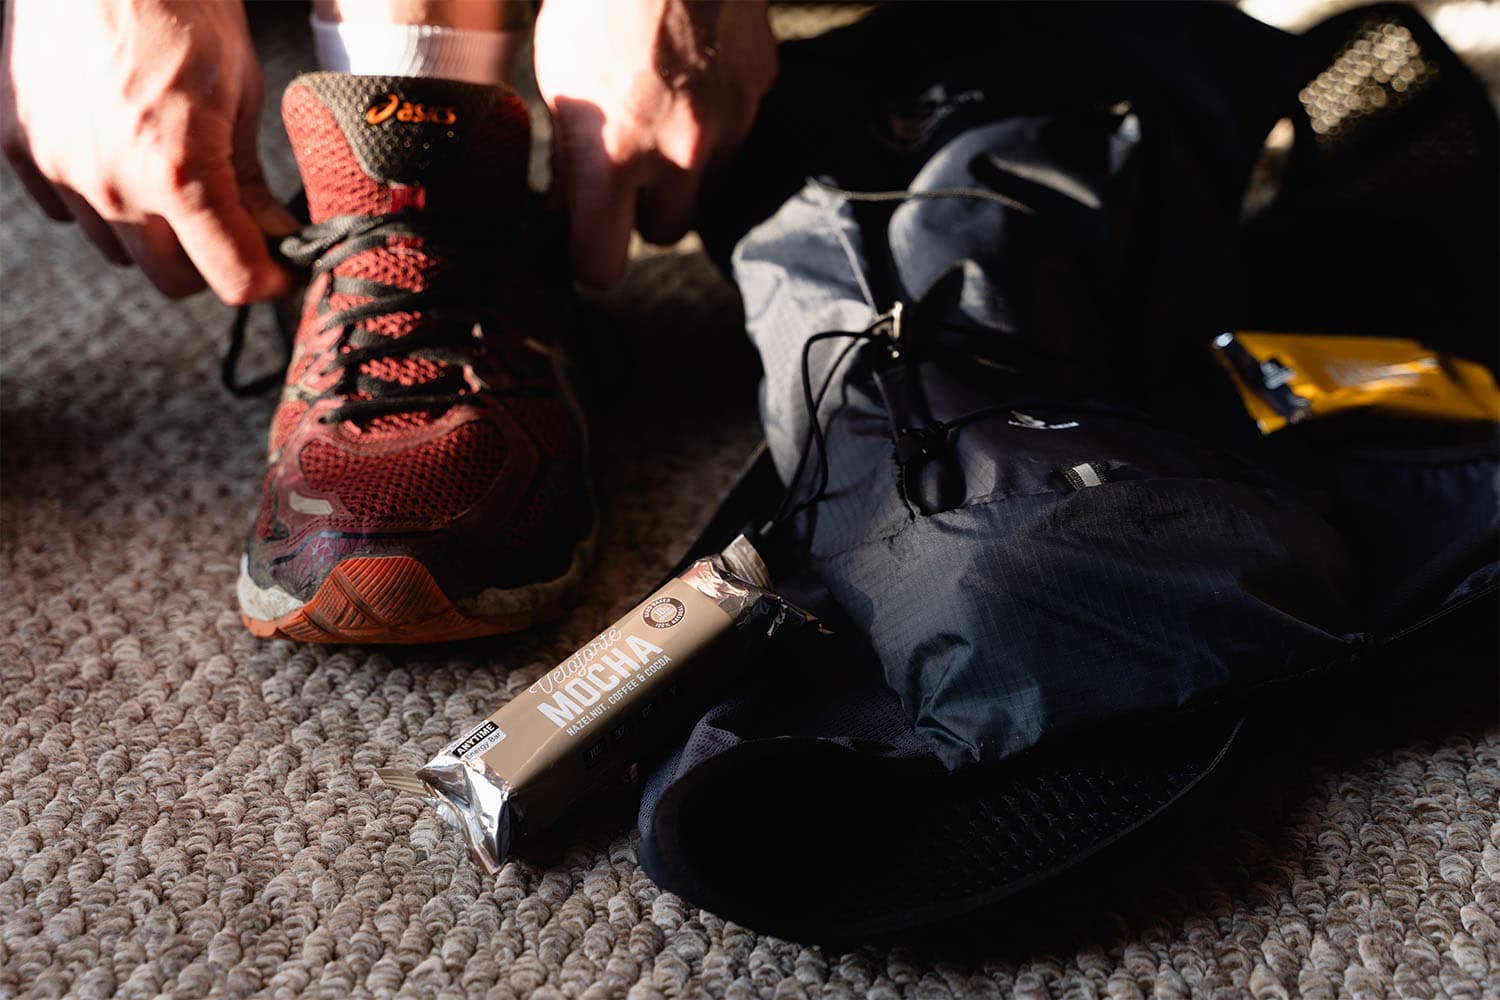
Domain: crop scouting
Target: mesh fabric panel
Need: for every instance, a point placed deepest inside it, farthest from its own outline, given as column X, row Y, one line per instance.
column 407, row 371
column 397, row 423
column 1377, row 72
column 334, row 182
column 477, row 161
column 287, row 415
column 557, row 501
column 435, row 481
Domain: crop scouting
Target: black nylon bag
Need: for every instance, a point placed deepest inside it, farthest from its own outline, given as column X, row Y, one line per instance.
column 1048, row 521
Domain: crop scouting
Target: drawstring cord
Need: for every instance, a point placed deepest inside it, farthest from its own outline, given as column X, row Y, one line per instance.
column 886, row 328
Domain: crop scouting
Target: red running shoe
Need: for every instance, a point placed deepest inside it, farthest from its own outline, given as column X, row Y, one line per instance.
column 427, row 476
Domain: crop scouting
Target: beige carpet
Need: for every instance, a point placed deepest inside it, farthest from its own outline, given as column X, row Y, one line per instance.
column 187, row 811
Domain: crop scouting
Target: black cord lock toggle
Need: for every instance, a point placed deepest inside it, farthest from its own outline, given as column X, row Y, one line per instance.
column 922, row 442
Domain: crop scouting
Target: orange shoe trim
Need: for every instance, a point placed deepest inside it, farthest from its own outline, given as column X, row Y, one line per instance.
column 387, row 599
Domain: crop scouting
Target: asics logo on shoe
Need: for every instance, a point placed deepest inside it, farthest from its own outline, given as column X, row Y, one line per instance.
column 393, row 106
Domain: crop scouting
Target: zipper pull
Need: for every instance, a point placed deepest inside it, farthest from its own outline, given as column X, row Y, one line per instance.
column 887, row 327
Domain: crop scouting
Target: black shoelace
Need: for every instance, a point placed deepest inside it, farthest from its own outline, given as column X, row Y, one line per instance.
column 448, row 333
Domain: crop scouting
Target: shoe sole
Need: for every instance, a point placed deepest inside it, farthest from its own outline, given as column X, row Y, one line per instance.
column 395, row 600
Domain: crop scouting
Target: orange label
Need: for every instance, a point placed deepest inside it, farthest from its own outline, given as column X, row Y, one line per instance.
column 393, row 106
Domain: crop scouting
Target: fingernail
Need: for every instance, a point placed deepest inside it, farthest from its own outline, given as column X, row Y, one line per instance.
column 276, row 221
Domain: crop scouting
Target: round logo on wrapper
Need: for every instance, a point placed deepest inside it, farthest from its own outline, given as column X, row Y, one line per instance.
column 664, row 612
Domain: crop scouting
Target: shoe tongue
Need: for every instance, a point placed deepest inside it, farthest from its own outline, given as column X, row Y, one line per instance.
column 374, row 144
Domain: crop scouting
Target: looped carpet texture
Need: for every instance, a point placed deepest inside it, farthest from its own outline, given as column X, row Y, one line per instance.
column 187, row 811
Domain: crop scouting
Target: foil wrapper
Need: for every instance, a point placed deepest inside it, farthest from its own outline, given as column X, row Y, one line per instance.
column 1289, row 378
column 582, row 724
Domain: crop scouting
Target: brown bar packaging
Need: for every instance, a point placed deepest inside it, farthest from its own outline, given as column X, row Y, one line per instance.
column 581, row 724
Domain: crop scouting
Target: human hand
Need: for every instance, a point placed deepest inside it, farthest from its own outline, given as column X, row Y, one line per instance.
column 137, row 119
column 645, row 96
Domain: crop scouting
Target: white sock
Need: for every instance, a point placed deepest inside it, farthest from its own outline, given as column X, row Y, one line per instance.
column 376, row 49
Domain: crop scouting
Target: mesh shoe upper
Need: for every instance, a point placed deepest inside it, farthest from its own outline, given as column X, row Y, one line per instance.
column 423, row 412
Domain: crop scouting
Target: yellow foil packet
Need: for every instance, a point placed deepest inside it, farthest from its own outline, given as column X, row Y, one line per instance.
column 1286, row 378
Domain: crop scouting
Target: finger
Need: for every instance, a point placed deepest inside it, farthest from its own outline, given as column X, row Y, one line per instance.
column 41, row 191
column 160, row 257
column 267, row 210
column 557, row 167
column 601, row 213
column 255, row 194
column 668, row 204
column 601, row 196
column 96, row 229
column 13, row 140
column 221, row 238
